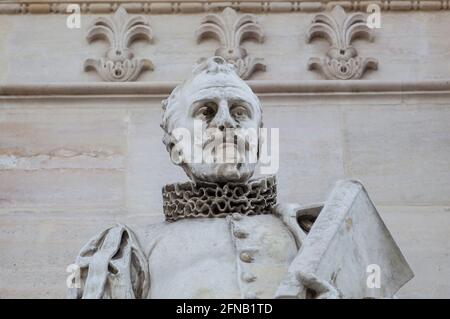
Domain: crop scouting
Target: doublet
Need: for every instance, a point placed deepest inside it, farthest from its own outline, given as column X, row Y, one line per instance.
column 234, row 257
column 237, row 256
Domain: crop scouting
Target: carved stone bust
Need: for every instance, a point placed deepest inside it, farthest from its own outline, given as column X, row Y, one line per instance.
column 225, row 236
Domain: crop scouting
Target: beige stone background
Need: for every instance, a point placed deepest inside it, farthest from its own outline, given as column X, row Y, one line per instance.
column 73, row 163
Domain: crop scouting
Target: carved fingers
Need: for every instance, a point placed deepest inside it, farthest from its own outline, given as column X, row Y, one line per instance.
column 318, row 288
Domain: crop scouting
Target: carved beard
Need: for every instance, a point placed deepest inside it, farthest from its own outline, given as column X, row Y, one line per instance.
column 219, row 173
column 222, row 163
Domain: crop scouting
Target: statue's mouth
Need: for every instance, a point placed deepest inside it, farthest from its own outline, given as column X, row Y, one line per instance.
column 226, row 152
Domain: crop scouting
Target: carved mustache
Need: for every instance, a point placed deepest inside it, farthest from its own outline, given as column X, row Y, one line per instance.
column 218, row 139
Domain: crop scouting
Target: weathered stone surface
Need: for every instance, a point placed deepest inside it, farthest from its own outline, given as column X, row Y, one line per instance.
column 429, row 261
column 405, row 154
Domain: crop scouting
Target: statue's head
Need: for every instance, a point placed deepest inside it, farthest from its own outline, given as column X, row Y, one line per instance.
column 229, row 113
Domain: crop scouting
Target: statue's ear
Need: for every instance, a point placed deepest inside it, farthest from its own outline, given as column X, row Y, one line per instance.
column 164, row 103
column 174, row 147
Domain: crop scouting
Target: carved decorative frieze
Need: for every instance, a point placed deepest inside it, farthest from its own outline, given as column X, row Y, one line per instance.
column 231, row 30
column 119, row 63
column 342, row 61
column 197, row 6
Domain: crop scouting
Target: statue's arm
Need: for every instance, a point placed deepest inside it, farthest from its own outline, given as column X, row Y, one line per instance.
column 299, row 220
column 342, row 240
column 112, row 265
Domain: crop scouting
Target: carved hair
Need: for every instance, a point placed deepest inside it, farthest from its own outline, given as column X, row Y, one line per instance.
column 212, row 65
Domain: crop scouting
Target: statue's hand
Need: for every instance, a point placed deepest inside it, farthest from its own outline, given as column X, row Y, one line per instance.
column 321, row 289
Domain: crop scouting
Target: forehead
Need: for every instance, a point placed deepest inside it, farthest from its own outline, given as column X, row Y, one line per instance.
column 216, row 92
column 218, row 87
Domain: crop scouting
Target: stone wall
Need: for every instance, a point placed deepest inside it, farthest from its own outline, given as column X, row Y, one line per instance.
column 77, row 154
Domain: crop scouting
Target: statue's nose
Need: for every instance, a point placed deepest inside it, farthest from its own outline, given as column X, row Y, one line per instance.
column 223, row 120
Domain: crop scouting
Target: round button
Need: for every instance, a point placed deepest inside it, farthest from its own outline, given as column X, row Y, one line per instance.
column 239, row 233
column 247, row 277
column 236, row 216
column 246, row 257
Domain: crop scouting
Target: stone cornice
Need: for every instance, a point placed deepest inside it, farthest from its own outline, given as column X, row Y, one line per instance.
column 279, row 88
column 199, row 6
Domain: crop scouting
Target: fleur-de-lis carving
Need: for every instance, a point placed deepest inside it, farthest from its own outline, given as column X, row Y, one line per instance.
column 119, row 63
column 231, row 30
column 340, row 29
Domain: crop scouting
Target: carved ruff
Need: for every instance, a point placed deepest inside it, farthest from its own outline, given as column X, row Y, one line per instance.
column 190, row 200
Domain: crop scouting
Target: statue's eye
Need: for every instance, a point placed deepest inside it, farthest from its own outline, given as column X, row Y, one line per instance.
column 206, row 111
column 239, row 111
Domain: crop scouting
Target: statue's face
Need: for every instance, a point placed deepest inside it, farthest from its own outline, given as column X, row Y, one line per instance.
column 227, row 108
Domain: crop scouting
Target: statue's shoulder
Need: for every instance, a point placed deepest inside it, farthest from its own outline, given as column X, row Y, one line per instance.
column 112, row 264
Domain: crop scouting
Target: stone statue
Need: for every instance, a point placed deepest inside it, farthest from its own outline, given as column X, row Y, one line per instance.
column 224, row 235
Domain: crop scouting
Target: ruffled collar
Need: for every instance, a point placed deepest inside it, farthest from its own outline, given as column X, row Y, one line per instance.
column 191, row 200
